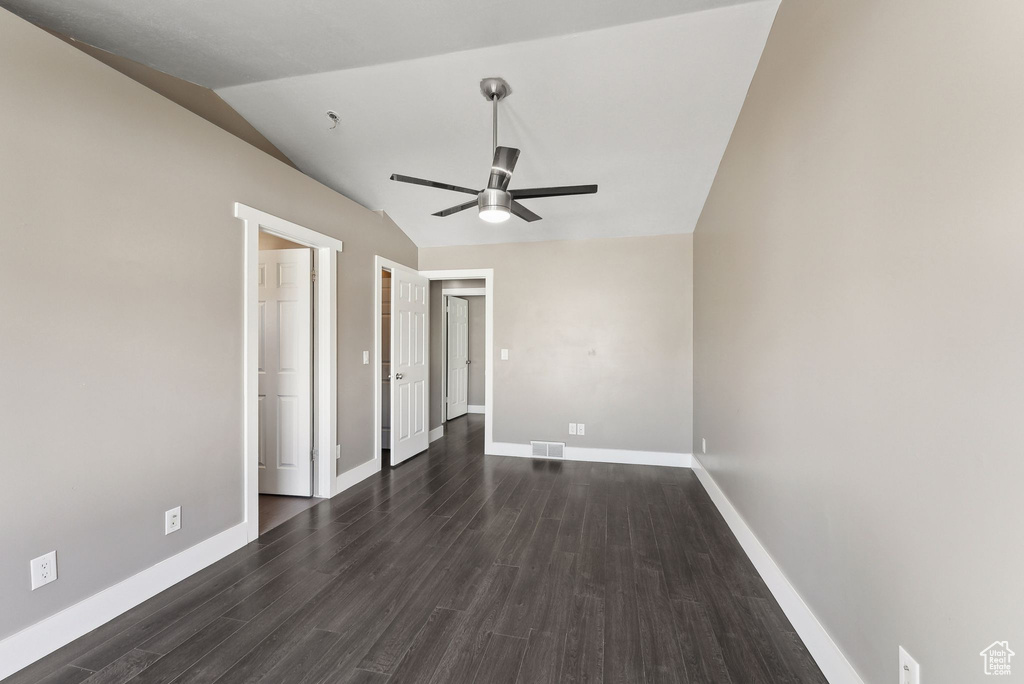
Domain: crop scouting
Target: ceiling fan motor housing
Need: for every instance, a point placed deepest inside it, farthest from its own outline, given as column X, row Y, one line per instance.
column 495, row 204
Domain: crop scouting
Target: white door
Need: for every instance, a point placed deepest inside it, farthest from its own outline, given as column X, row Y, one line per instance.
column 410, row 311
column 285, row 361
column 458, row 357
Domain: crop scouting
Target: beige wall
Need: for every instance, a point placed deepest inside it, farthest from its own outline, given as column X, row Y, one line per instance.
column 859, row 338
column 195, row 98
column 477, row 309
column 268, row 241
column 121, row 318
column 598, row 332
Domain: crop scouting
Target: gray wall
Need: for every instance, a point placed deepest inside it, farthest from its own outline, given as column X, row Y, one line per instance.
column 859, row 338
column 599, row 332
column 121, row 318
column 477, row 307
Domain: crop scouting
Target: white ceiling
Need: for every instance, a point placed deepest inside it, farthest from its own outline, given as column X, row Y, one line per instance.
column 229, row 42
column 644, row 110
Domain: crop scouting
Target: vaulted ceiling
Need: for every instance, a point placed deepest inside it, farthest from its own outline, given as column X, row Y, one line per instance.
column 638, row 97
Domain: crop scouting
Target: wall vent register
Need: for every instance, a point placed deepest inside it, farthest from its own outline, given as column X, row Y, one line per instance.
column 548, row 449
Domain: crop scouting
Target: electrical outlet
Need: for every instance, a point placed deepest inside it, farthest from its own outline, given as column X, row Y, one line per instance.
column 703, row 445
column 44, row 569
column 172, row 520
column 504, row 354
column 572, row 428
column 580, row 429
column 366, row 357
column 910, row 671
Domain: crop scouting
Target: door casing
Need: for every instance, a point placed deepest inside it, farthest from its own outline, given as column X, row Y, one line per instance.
column 325, row 354
column 485, row 274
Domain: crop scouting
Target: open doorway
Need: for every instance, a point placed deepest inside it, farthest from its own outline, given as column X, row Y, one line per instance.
column 285, row 354
column 385, row 368
column 459, row 359
column 309, row 308
column 408, row 356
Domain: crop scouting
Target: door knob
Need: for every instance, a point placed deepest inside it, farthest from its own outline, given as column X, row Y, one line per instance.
column 468, row 362
column 398, row 376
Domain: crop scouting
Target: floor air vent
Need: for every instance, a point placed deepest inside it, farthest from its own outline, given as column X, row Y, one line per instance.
column 548, row 449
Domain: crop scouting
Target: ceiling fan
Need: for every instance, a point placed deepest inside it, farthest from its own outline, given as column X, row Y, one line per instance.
column 496, row 203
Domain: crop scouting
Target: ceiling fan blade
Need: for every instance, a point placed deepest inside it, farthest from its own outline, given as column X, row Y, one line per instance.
column 559, row 191
column 524, row 213
column 433, row 184
column 504, row 163
column 456, row 209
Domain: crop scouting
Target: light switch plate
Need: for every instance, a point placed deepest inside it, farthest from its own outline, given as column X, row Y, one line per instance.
column 172, row 520
column 366, row 357
column 703, row 445
column 910, row 671
column 504, row 354
column 572, row 428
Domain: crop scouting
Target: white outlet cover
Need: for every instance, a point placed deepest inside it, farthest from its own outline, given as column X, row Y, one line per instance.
column 581, row 429
column 703, row 445
column 172, row 520
column 44, row 569
column 910, row 671
column 504, row 354
column 366, row 357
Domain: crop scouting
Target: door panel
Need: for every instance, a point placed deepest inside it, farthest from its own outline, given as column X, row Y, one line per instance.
column 410, row 311
column 458, row 357
column 285, row 372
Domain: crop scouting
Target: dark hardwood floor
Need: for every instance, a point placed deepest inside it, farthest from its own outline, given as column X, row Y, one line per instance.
column 275, row 510
column 455, row 567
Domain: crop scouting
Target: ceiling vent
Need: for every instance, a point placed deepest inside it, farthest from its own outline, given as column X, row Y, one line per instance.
column 548, row 449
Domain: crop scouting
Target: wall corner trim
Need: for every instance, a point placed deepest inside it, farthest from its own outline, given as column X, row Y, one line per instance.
column 46, row 636
column 436, row 434
column 826, row 653
column 595, row 455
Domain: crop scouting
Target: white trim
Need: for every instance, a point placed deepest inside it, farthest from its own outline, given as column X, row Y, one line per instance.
column 487, row 275
column 46, row 636
column 466, row 292
column 627, row 456
column 473, row 408
column 326, row 364
column 354, row 476
column 437, row 433
column 826, row 653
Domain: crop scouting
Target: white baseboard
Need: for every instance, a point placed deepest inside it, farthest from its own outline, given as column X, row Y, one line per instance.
column 436, row 434
column 476, row 409
column 354, row 476
column 46, row 636
column 627, row 456
column 834, row 665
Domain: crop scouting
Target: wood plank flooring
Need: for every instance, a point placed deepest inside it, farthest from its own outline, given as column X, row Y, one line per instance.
column 456, row 567
column 275, row 510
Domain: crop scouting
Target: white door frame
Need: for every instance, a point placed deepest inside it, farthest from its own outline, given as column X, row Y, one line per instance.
column 485, row 274
column 445, row 293
column 325, row 358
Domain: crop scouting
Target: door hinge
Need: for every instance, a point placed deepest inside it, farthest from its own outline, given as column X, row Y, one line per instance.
column 313, row 275
column 312, row 454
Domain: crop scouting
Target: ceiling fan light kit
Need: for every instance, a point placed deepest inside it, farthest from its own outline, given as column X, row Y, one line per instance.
column 496, row 203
